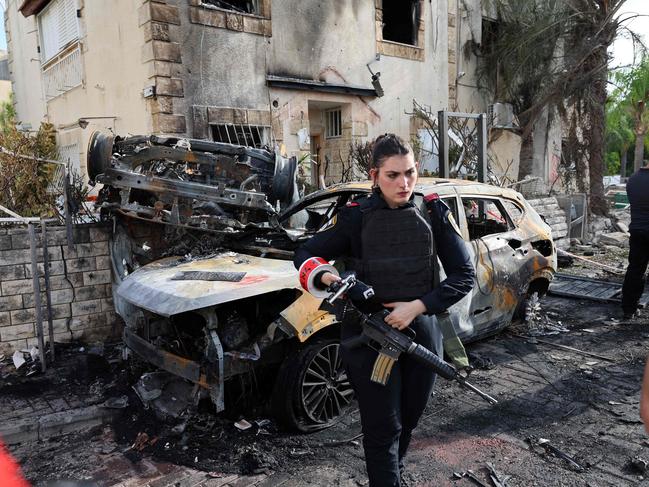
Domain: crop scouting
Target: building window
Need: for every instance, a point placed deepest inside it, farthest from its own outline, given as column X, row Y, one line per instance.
column 251, row 16
column 247, row 135
column 401, row 21
column 333, row 123
column 59, row 28
column 240, row 6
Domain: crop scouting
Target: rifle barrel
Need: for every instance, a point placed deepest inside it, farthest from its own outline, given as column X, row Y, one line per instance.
column 483, row 395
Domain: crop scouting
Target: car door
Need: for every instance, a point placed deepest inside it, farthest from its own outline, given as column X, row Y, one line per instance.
column 492, row 235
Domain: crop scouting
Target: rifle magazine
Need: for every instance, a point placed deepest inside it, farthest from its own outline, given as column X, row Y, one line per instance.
column 382, row 369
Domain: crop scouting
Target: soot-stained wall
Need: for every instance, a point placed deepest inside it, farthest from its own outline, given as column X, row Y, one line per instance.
column 225, row 64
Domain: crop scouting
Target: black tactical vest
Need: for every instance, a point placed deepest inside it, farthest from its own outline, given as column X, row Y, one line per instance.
column 397, row 253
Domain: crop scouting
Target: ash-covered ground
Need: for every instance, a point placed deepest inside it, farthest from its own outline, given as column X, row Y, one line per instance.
column 567, row 382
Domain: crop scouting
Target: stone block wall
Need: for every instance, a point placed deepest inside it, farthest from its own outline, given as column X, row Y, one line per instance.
column 80, row 285
column 555, row 217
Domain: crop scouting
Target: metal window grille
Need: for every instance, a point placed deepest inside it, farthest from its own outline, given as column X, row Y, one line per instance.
column 70, row 156
column 63, row 75
column 242, row 134
column 242, row 6
column 333, row 123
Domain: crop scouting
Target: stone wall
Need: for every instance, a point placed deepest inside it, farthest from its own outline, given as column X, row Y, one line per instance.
column 80, row 284
column 555, row 217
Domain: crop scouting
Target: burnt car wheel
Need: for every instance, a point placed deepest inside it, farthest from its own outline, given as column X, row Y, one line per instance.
column 312, row 388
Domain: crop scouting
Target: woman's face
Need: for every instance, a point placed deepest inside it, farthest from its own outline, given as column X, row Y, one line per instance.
column 396, row 178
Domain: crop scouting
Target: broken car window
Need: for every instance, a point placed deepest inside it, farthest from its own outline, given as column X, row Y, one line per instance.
column 452, row 204
column 484, row 217
column 243, row 6
column 515, row 212
column 401, row 21
column 317, row 216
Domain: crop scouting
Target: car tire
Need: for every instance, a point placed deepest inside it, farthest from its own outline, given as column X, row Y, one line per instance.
column 312, row 389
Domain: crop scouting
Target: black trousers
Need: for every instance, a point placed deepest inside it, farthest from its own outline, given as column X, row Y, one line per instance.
column 389, row 413
column 634, row 280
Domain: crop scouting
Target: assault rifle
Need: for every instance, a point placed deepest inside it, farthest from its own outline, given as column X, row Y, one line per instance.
column 389, row 342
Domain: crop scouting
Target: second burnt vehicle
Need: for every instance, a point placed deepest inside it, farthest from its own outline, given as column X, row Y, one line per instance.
column 228, row 305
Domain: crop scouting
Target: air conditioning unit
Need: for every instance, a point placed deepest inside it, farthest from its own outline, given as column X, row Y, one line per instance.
column 501, row 115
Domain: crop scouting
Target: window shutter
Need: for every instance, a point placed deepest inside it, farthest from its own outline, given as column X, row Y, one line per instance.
column 49, row 31
column 68, row 23
column 59, row 26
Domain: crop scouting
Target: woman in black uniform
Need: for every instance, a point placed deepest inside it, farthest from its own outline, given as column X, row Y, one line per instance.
column 387, row 241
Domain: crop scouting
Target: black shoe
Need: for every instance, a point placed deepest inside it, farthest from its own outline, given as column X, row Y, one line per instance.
column 629, row 315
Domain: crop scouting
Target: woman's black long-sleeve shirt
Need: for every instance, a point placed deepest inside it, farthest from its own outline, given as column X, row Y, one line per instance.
column 343, row 239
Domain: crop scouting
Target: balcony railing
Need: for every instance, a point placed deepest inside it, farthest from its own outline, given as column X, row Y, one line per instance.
column 63, row 74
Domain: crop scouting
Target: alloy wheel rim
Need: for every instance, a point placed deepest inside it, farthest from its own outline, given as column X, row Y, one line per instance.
column 325, row 388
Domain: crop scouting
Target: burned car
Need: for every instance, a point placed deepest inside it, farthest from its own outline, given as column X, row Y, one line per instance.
column 230, row 306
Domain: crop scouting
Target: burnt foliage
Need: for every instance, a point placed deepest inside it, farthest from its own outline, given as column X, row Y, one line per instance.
column 25, row 180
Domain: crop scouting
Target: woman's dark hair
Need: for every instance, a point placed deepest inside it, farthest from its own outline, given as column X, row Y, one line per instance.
column 388, row 145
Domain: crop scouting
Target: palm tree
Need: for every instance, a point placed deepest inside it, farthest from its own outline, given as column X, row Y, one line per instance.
column 634, row 87
column 551, row 57
column 619, row 130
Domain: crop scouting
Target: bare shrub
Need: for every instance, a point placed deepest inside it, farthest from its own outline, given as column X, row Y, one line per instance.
column 24, row 181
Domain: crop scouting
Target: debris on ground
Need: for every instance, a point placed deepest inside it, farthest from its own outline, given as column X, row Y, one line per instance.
column 256, row 461
column 19, row 359
column 550, row 448
column 536, row 321
column 640, row 464
column 142, row 441
column 563, row 259
column 586, row 386
column 579, row 287
column 150, row 385
column 470, row 474
column 116, row 402
column 478, row 361
column 576, row 350
column 242, row 425
column 617, row 239
column 588, row 262
column 498, row 479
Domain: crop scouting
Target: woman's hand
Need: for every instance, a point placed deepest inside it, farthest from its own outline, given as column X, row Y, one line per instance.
column 327, row 279
column 403, row 313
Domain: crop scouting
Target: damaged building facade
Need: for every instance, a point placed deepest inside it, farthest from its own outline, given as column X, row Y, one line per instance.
column 308, row 77
column 295, row 74
column 233, row 96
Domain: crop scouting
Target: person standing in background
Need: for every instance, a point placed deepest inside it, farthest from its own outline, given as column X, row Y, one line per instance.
column 637, row 190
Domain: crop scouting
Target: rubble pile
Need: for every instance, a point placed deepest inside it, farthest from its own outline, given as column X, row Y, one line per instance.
column 612, row 230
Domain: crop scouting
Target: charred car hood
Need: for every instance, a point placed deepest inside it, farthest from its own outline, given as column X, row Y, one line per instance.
column 169, row 286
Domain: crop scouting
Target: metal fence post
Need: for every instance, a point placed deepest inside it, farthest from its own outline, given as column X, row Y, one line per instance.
column 66, row 203
column 48, row 294
column 37, row 296
column 482, row 148
column 442, row 119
